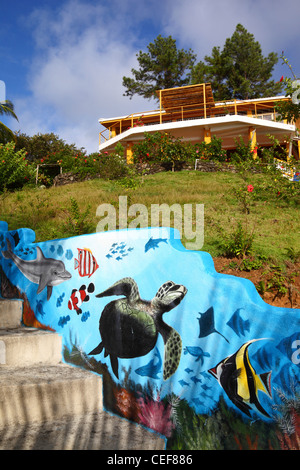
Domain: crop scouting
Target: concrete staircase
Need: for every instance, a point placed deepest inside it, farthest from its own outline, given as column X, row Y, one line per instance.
column 48, row 405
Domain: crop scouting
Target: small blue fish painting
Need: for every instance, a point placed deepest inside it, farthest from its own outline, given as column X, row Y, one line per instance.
column 197, row 402
column 85, row 316
column 183, row 383
column 39, row 308
column 60, row 299
column 195, row 379
column 69, row 254
column 60, row 250
column 205, row 387
column 63, row 321
column 197, row 352
column 118, row 251
column 205, row 374
column 153, row 368
column 153, row 243
column 237, row 324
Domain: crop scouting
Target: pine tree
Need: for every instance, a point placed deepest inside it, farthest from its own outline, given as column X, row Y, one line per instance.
column 240, row 70
column 163, row 66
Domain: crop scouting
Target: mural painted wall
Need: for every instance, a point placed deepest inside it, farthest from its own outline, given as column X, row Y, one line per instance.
column 195, row 355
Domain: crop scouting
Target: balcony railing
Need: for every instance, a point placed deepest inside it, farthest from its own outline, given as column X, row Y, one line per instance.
column 185, row 113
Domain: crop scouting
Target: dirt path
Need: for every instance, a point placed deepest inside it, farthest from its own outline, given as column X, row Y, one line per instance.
column 278, row 287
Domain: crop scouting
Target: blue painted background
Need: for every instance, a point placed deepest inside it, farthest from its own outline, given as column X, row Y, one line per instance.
column 151, row 257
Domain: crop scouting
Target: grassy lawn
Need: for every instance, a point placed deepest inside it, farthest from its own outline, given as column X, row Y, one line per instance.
column 275, row 224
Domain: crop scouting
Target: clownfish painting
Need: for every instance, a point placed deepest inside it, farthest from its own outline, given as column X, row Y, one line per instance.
column 78, row 296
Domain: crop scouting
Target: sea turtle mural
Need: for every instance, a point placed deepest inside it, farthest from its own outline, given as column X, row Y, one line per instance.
column 129, row 326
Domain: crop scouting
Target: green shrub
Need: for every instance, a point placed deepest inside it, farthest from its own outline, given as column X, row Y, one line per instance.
column 213, row 150
column 15, row 170
column 76, row 222
column 171, row 152
column 239, row 242
column 242, row 153
column 161, row 148
column 112, row 166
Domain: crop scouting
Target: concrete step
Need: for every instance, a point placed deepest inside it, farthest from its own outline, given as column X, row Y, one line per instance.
column 10, row 313
column 91, row 431
column 26, row 346
column 41, row 393
column 45, row 404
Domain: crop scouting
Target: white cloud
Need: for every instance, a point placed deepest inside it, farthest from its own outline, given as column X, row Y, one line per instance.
column 76, row 76
column 203, row 24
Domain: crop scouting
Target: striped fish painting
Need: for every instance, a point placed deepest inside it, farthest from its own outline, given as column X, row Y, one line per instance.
column 86, row 262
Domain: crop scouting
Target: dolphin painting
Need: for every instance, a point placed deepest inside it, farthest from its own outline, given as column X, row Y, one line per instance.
column 151, row 369
column 153, row 243
column 46, row 272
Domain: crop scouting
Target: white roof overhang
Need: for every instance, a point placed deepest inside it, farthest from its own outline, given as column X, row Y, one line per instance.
column 230, row 125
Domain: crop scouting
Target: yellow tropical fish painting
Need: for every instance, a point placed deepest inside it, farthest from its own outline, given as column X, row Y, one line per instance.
column 239, row 380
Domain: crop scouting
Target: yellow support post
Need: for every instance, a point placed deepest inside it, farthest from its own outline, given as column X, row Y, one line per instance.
column 204, row 100
column 289, row 147
column 129, row 154
column 160, row 116
column 253, row 142
column 207, row 136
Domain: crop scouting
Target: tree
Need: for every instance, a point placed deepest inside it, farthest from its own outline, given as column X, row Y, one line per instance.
column 6, row 108
column 39, row 146
column 212, row 72
column 290, row 110
column 163, row 66
column 239, row 70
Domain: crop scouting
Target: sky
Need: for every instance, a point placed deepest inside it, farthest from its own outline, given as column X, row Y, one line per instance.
column 63, row 61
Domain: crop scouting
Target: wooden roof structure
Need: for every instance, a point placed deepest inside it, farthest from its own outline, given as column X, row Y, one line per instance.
column 172, row 99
